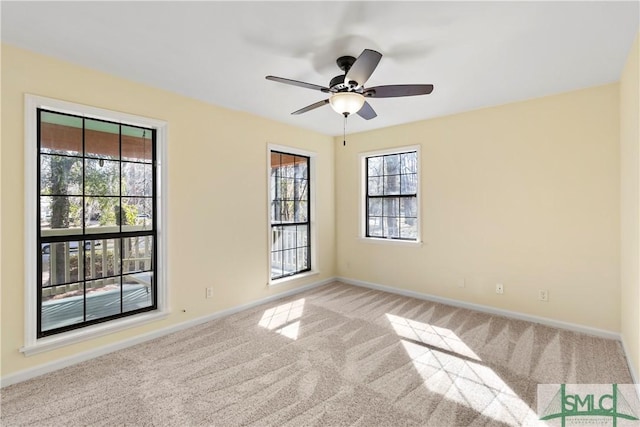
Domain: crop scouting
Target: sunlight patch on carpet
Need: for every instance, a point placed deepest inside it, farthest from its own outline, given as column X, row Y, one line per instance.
column 282, row 319
column 435, row 336
column 450, row 368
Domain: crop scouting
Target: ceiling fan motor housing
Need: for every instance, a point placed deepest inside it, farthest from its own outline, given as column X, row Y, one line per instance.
column 337, row 83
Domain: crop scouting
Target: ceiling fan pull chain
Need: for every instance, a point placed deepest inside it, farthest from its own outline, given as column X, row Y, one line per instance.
column 344, row 130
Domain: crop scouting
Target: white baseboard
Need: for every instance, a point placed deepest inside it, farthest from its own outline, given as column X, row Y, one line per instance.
column 109, row 348
column 634, row 374
column 486, row 309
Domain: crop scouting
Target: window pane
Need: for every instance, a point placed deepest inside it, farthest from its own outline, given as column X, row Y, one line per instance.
column 302, row 235
column 301, row 187
column 61, row 212
column 60, row 175
column 276, row 238
column 102, row 214
column 60, row 133
column 408, row 228
column 391, row 227
column 287, row 211
column 138, row 212
column 287, row 169
column 102, row 258
column 390, row 207
column 102, row 177
column 375, row 207
column 374, row 166
column 392, row 184
column 281, row 189
column 289, row 238
column 137, row 290
column 301, row 167
column 276, row 190
column 137, row 144
column 289, row 264
column 375, row 186
column 101, row 139
column 303, row 258
column 137, row 254
column 274, row 186
column 287, row 188
column 392, row 164
column 137, row 179
column 276, row 264
column 275, row 161
column 301, row 212
column 61, row 262
column 409, row 162
column 62, row 306
column 375, row 226
column 408, row 207
column 409, row 184
column 45, row 255
column 103, row 298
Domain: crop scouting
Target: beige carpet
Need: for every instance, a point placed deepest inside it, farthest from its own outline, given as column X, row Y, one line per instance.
column 337, row 355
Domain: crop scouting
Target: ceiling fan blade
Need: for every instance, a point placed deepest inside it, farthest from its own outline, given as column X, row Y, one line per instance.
column 366, row 112
column 393, row 91
column 311, row 107
column 362, row 69
column 297, row 83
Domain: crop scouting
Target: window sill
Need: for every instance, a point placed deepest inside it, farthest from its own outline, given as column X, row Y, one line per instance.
column 72, row 337
column 289, row 279
column 396, row 242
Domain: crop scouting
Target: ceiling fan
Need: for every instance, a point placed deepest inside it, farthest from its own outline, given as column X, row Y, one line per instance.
column 347, row 92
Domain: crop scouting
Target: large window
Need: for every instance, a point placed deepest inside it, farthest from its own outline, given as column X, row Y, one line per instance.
column 96, row 234
column 290, row 212
column 391, row 195
column 95, row 222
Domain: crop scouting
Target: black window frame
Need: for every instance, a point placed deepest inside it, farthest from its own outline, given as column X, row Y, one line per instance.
column 398, row 196
column 274, row 206
column 84, row 238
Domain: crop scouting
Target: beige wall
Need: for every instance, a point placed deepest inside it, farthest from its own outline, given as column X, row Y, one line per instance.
column 525, row 194
column 630, row 205
column 209, row 148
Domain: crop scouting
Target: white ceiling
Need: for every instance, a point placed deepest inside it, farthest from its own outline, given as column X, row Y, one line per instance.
column 476, row 54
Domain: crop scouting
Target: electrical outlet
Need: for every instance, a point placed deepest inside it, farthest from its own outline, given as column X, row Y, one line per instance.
column 499, row 288
column 209, row 292
column 461, row 283
column 543, row 295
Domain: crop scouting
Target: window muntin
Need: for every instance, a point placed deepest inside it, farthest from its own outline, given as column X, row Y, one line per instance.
column 97, row 235
column 391, row 196
column 290, row 214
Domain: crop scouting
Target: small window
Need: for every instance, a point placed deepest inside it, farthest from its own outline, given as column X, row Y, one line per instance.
column 290, row 214
column 391, row 195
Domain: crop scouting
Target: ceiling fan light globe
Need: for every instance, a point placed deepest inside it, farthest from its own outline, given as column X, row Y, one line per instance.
column 346, row 102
